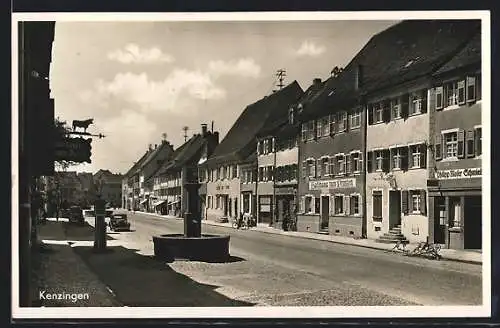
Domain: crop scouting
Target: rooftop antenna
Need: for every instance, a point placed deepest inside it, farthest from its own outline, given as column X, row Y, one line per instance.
column 281, row 73
column 212, row 126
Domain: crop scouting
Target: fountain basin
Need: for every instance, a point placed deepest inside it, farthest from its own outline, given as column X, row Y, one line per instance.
column 207, row 248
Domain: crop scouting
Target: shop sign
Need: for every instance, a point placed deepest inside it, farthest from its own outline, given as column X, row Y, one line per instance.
column 332, row 184
column 458, row 174
column 285, row 191
column 222, row 187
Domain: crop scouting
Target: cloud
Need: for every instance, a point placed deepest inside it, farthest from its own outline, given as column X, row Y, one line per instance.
column 245, row 67
column 132, row 54
column 308, row 48
column 163, row 94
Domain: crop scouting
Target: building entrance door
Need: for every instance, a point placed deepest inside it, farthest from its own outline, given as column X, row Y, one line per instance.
column 226, row 207
column 473, row 222
column 440, row 218
column 325, row 211
column 394, row 208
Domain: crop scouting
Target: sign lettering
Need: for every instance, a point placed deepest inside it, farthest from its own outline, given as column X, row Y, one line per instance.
column 333, row 184
column 459, row 174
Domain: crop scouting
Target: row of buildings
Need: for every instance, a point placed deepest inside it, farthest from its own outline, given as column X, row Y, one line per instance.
column 66, row 188
column 388, row 149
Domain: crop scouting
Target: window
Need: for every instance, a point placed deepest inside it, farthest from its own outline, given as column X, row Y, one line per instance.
column 355, row 120
column 235, row 171
column 308, row 204
column 311, row 168
column 340, row 164
column 261, row 173
column 396, row 108
column 333, row 122
column 338, row 204
column 342, row 121
column 451, row 144
column 439, row 98
column 455, row 93
column 323, row 128
column 397, row 158
column 304, row 132
column 354, row 202
column 418, row 156
column 270, row 173
column 377, row 204
column 325, row 166
column 379, row 160
column 455, row 211
column 356, row 162
column 415, row 202
column 310, row 130
column 378, row 112
column 416, row 103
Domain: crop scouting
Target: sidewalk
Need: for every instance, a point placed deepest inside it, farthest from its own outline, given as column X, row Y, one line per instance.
column 58, row 270
column 447, row 254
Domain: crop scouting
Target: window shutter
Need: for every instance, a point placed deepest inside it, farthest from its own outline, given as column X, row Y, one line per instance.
column 469, row 144
column 471, row 88
column 346, row 205
column 331, row 204
column 404, row 201
column 424, row 101
column 439, row 97
column 405, row 106
column 345, row 164
column 361, row 167
column 351, row 205
column 423, row 156
column 477, row 141
column 346, row 121
column 318, row 168
column 302, row 204
column 438, row 150
column 333, row 165
column 304, row 169
column 391, row 156
column 274, row 145
column 370, row 162
column 370, row 113
column 404, row 158
column 258, row 148
column 386, row 160
column 423, row 202
column 313, row 173
column 386, row 112
column 460, row 144
column 348, row 164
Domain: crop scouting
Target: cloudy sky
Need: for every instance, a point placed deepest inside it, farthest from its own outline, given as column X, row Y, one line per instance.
column 141, row 79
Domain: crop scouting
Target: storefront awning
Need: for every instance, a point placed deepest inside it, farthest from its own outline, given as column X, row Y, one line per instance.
column 159, row 203
column 143, row 201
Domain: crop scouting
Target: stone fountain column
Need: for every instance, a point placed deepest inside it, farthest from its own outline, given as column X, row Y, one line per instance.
column 192, row 215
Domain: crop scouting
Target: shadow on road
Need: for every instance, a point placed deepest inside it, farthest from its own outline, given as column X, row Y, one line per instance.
column 53, row 230
column 139, row 280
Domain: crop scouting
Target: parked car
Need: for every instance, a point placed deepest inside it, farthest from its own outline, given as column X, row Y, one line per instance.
column 76, row 215
column 119, row 222
column 88, row 213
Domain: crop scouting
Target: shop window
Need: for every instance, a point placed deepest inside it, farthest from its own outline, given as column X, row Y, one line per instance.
column 396, row 108
column 355, row 205
column 456, row 213
column 338, row 204
column 308, row 204
column 377, row 204
column 355, row 120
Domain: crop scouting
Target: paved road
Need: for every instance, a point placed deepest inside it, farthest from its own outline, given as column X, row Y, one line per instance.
column 282, row 270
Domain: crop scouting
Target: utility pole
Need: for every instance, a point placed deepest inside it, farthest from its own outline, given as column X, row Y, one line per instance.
column 185, row 129
column 281, row 73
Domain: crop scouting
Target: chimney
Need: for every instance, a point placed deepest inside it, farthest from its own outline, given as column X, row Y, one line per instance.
column 156, row 146
column 204, row 129
column 150, row 147
column 316, row 81
column 358, row 77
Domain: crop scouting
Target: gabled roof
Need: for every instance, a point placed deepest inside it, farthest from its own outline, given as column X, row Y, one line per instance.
column 255, row 118
column 137, row 164
column 469, row 55
column 404, row 52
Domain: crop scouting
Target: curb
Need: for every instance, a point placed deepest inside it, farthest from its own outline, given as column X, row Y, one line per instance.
column 313, row 238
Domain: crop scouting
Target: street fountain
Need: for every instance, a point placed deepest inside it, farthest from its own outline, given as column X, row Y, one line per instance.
column 192, row 245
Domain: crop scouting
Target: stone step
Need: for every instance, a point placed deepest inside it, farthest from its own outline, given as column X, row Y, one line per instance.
column 323, row 232
column 392, row 237
column 386, row 241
